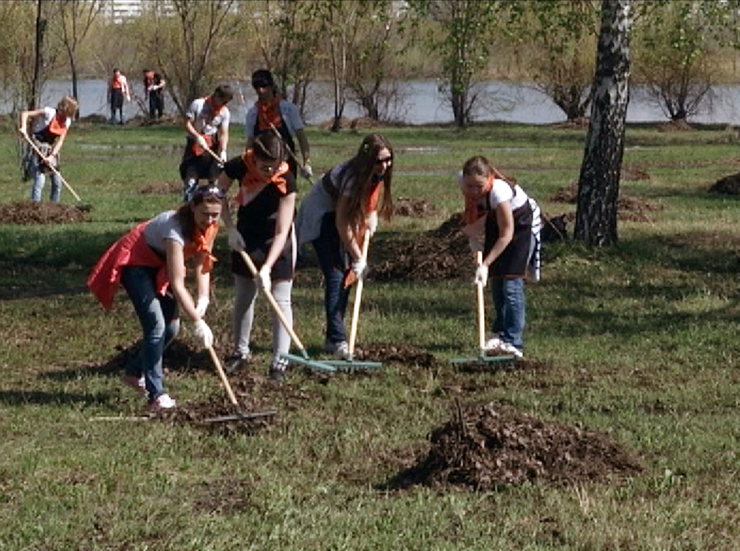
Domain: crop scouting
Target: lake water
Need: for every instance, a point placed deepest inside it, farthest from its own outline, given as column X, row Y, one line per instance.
column 422, row 103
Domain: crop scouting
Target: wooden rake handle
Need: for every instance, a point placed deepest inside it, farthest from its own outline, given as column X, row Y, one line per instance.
column 53, row 169
column 222, row 376
column 358, row 298
column 273, row 303
column 481, row 307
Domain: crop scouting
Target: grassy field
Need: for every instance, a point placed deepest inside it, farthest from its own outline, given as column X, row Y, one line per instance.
column 638, row 341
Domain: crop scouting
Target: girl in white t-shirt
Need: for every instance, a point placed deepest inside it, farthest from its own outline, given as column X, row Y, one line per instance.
column 498, row 221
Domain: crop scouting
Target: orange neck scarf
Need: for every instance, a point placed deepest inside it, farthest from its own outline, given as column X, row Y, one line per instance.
column 202, row 242
column 253, row 179
column 268, row 114
column 472, row 211
column 57, row 126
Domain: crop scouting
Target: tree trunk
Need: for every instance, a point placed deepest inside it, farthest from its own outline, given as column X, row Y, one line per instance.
column 38, row 62
column 598, row 184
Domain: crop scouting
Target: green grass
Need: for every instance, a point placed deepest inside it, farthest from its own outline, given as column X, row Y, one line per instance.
column 638, row 341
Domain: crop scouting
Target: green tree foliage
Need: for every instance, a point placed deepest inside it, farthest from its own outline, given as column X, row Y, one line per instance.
column 559, row 39
column 677, row 47
column 461, row 35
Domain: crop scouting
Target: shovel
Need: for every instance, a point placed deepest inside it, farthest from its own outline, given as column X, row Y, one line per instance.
column 303, row 359
column 350, row 363
column 53, row 168
column 482, row 357
column 240, row 415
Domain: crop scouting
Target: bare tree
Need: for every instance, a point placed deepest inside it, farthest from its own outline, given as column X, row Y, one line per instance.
column 598, row 185
column 77, row 18
column 462, row 39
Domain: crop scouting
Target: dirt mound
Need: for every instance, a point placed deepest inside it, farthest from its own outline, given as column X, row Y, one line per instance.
column 729, row 185
column 495, row 444
column 442, row 253
column 628, row 208
column 413, row 208
column 162, row 188
column 28, row 212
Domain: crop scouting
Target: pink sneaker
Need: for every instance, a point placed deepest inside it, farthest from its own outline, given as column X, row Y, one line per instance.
column 163, row 401
column 137, row 383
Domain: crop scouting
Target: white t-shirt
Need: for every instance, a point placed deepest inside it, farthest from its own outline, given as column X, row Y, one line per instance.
column 162, row 227
column 42, row 121
column 501, row 192
column 203, row 119
column 288, row 112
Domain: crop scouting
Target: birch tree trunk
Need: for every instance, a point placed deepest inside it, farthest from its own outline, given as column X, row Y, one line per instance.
column 598, row 184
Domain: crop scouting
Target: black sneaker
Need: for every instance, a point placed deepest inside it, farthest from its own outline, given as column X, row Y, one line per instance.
column 236, row 361
column 277, row 369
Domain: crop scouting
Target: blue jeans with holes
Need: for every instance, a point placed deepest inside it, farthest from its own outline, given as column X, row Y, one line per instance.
column 330, row 253
column 510, row 306
column 159, row 322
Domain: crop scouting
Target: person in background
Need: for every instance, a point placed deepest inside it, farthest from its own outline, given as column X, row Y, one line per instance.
column 498, row 221
column 207, row 126
column 272, row 114
column 150, row 262
column 334, row 216
column 118, row 89
column 48, row 132
column 154, row 92
column 264, row 230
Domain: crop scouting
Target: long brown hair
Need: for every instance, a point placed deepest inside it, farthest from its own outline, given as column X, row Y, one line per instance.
column 481, row 166
column 208, row 193
column 361, row 168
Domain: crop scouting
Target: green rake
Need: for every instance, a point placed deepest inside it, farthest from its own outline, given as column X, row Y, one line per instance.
column 482, row 358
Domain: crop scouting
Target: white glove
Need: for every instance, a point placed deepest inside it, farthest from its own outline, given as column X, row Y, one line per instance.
column 201, row 141
column 307, row 171
column 263, row 278
column 203, row 333
column 481, row 275
column 359, row 267
column 201, row 306
column 236, row 241
column 224, row 156
column 372, row 222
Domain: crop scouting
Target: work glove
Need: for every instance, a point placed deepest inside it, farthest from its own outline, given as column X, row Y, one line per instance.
column 372, row 222
column 263, row 278
column 236, row 241
column 203, row 333
column 224, row 156
column 201, row 306
column 359, row 268
column 201, row 141
column 307, row 171
column 481, row 275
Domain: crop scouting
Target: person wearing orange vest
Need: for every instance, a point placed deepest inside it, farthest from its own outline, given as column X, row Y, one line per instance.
column 48, row 131
column 273, row 114
column 118, row 90
column 334, row 216
column 207, row 126
column 150, row 263
column 264, row 230
column 154, row 93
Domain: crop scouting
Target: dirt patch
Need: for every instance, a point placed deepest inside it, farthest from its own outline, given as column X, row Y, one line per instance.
column 413, row 208
column 634, row 173
column 492, row 445
column 675, row 126
column 729, row 185
column 395, row 353
column 28, row 212
column 628, row 208
column 162, row 188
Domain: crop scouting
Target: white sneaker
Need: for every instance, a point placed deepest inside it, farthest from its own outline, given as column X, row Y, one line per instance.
column 277, row 368
column 492, row 344
column 511, row 349
column 163, row 401
column 339, row 349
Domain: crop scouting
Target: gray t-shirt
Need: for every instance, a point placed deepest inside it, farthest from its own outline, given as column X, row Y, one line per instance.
column 162, row 227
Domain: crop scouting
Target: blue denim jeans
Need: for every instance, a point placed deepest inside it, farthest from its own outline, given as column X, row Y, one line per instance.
column 39, row 178
column 510, row 306
column 159, row 322
column 330, row 253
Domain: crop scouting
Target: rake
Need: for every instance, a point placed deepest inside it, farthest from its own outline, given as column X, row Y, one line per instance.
column 303, row 359
column 482, row 357
column 51, row 167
